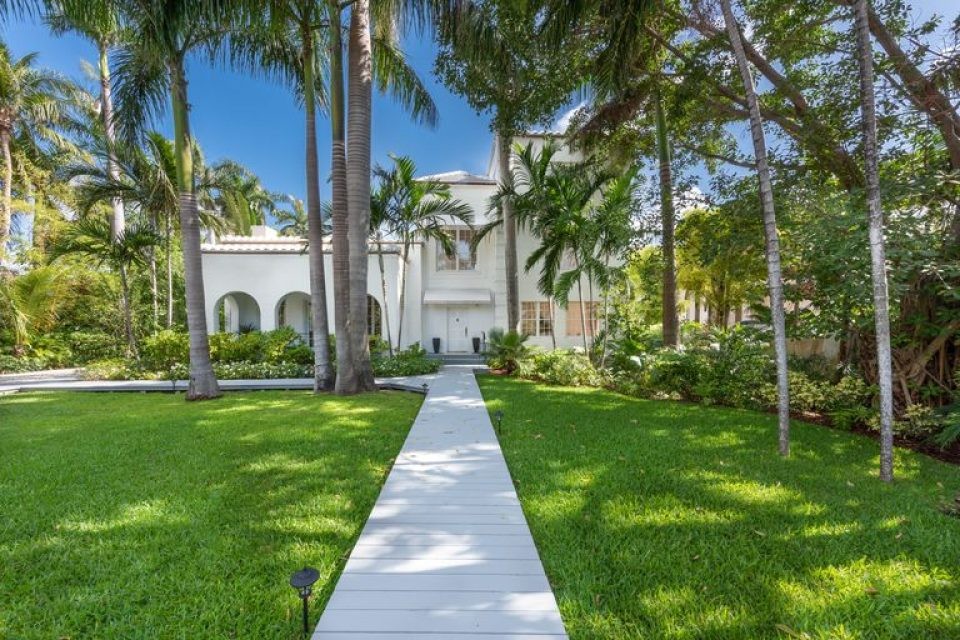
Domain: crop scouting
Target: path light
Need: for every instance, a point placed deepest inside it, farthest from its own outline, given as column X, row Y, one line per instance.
column 499, row 416
column 303, row 581
column 425, row 388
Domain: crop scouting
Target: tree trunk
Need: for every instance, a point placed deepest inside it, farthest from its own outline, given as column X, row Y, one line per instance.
column 360, row 75
column 203, row 382
column 383, row 292
column 504, row 142
column 553, row 325
column 340, row 215
column 878, row 267
column 154, row 289
column 117, row 219
column 168, row 241
column 7, row 205
column 667, row 222
column 774, row 276
column 322, row 371
column 583, row 317
column 403, row 288
column 127, row 312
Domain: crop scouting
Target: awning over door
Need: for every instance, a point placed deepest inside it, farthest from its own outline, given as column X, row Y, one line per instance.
column 457, row 296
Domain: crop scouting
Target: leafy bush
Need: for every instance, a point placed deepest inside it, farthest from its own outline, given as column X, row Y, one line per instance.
column 87, row 346
column 232, row 347
column 671, row 372
column 164, row 350
column 505, row 349
column 13, row 364
column 110, row 369
column 261, row 370
column 412, row 361
column 567, row 368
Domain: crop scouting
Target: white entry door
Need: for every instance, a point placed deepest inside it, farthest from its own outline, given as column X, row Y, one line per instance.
column 463, row 324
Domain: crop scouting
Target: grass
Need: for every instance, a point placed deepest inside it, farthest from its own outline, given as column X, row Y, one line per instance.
column 142, row 516
column 670, row 520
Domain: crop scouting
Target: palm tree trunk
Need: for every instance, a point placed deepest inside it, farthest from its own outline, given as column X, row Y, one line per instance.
column 553, row 325
column 504, row 142
column 403, row 287
column 322, row 371
column 127, row 312
column 359, row 73
column 774, row 276
column 583, row 318
column 340, row 215
column 168, row 249
column 7, row 205
column 877, row 251
column 383, row 291
column 203, row 382
column 117, row 219
column 667, row 222
column 154, row 291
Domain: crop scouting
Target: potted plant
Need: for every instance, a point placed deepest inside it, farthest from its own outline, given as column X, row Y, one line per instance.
column 436, row 345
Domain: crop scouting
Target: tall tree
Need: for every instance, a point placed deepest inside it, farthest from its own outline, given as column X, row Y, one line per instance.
column 33, row 103
column 98, row 22
column 667, row 224
column 359, row 114
column 416, row 209
column 774, row 275
column 489, row 55
column 93, row 238
column 878, row 260
column 152, row 66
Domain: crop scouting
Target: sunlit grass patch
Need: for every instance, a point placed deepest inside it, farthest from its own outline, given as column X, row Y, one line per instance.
column 143, row 516
column 671, row 520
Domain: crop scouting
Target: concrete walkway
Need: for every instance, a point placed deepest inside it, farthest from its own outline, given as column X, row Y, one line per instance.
column 446, row 553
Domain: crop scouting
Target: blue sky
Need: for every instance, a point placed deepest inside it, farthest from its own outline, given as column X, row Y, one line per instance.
column 260, row 125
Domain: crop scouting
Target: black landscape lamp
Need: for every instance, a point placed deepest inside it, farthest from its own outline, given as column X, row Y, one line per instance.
column 499, row 416
column 303, row 581
column 425, row 388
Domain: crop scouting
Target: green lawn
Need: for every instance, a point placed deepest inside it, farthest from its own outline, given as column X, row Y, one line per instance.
column 142, row 516
column 670, row 520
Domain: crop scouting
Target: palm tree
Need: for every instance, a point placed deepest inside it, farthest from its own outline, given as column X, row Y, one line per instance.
column 379, row 227
column 33, row 104
column 93, row 238
column 238, row 196
column 774, row 275
column 878, row 260
column 415, row 209
column 152, row 66
column 668, row 224
column 292, row 221
column 98, row 22
column 30, row 302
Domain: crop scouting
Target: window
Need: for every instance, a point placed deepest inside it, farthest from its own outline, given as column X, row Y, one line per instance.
column 535, row 318
column 591, row 320
column 374, row 317
column 569, row 261
column 464, row 256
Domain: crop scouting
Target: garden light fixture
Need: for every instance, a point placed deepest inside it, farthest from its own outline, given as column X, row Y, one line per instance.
column 499, row 416
column 303, row 581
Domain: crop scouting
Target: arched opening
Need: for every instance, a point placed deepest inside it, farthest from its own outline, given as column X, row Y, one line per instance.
column 374, row 317
column 237, row 312
column 294, row 311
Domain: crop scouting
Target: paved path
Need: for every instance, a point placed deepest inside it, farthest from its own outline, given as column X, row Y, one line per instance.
column 11, row 384
column 446, row 553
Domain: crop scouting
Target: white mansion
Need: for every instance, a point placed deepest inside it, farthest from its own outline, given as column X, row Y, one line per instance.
column 262, row 282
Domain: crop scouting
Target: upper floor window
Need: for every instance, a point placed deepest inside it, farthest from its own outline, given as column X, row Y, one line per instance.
column 464, row 256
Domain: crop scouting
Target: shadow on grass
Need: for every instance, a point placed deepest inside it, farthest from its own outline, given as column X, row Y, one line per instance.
column 660, row 519
column 141, row 516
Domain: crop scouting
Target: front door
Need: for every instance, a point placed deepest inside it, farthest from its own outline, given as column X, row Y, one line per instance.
column 458, row 329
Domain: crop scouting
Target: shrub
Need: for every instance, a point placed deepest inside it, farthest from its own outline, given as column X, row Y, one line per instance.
column 561, row 367
column 261, row 370
column 412, row 361
column 110, row 369
column 164, row 350
column 672, row 372
column 87, row 346
column 14, row 364
column 277, row 342
column 505, row 349
column 232, row 347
